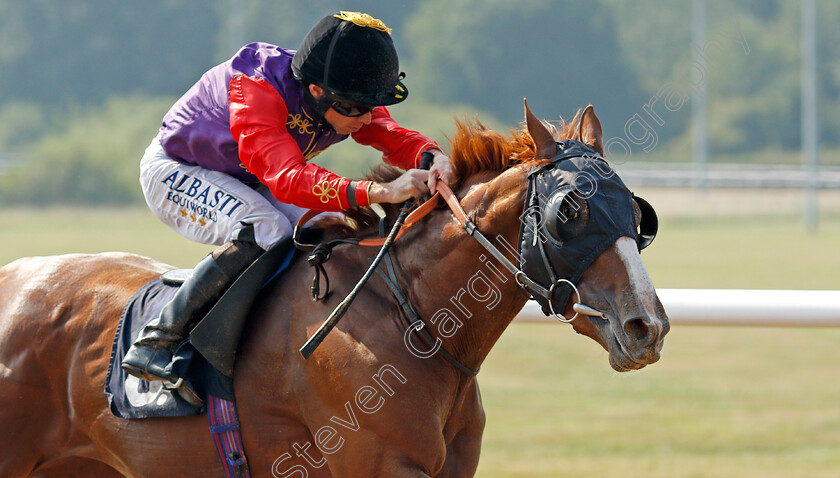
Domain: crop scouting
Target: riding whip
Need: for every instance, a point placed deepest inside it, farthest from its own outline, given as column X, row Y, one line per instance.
column 325, row 328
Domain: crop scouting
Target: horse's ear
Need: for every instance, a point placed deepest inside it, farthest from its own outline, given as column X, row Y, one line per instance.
column 542, row 137
column 590, row 129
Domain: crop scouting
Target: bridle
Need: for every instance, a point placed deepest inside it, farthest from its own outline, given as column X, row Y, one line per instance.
column 321, row 253
column 577, row 204
column 526, row 283
column 529, row 285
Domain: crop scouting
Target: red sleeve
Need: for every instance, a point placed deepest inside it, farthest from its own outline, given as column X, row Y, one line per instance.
column 400, row 147
column 258, row 118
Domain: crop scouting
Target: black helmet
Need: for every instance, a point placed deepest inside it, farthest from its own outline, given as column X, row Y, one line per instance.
column 351, row 55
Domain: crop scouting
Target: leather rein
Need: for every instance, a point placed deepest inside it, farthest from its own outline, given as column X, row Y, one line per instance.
column 321, row 253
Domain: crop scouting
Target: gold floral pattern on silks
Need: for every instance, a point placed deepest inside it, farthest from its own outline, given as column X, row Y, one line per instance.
column 324, row 191
column 363, row 20
column 302, row 125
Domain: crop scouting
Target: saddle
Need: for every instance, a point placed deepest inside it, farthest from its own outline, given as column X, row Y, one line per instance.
column 206, row 359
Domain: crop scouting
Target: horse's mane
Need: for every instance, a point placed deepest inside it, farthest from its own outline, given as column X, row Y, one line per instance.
column 475, row 148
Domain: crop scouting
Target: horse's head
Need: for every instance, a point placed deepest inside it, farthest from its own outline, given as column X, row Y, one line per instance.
column 583, row 227
column 552, row 212
column 580, row 234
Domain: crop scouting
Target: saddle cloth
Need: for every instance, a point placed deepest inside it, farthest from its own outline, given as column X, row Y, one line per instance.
column 131, row 397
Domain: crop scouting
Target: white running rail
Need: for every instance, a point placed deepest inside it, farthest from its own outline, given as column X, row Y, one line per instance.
column 781, row 308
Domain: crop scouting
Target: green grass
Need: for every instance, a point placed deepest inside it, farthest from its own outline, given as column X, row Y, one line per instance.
column 722, row 402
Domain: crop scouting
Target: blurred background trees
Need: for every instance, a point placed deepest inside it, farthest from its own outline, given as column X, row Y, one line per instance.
column 85, row 83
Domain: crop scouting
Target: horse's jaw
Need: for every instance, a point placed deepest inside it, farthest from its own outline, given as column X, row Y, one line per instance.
column 635, row 325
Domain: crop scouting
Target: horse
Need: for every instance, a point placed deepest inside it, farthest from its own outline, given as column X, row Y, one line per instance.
column 369, row 401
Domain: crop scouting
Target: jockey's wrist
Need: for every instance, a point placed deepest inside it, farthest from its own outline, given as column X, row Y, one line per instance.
column 439, row 156
column 377, row 193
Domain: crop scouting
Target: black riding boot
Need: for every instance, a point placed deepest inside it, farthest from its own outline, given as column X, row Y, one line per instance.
column 151, row 354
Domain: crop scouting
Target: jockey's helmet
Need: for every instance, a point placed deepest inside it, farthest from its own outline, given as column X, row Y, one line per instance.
column 351, row 56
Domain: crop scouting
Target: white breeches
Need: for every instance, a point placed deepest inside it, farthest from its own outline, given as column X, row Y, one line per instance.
column 211, row 207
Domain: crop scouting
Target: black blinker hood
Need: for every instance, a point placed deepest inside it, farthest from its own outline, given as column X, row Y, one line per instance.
column 546, row 259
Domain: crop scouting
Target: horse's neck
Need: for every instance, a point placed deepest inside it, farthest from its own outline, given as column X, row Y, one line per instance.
column 471, row 308
column 463, row 294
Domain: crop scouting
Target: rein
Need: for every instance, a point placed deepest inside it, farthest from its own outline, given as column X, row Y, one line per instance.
column 309, row 347
column 321, row 253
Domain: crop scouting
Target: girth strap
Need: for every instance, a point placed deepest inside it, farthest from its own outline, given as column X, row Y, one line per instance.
column 224, row 426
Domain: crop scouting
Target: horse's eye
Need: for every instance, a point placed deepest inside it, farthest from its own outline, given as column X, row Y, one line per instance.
column 569, row 212
column 566, row 212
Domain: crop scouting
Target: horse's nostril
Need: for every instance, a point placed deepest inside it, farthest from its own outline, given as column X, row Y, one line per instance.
column 637, row 329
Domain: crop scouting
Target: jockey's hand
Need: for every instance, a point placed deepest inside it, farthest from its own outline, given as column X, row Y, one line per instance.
column 441, row 170
column 412, row 184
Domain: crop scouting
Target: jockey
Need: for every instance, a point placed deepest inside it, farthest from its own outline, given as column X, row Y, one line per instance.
column 229, row 165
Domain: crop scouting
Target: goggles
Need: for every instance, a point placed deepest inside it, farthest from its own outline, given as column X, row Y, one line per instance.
column 348, row 108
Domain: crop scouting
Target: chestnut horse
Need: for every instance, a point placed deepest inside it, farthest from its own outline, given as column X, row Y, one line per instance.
column 365, row 403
